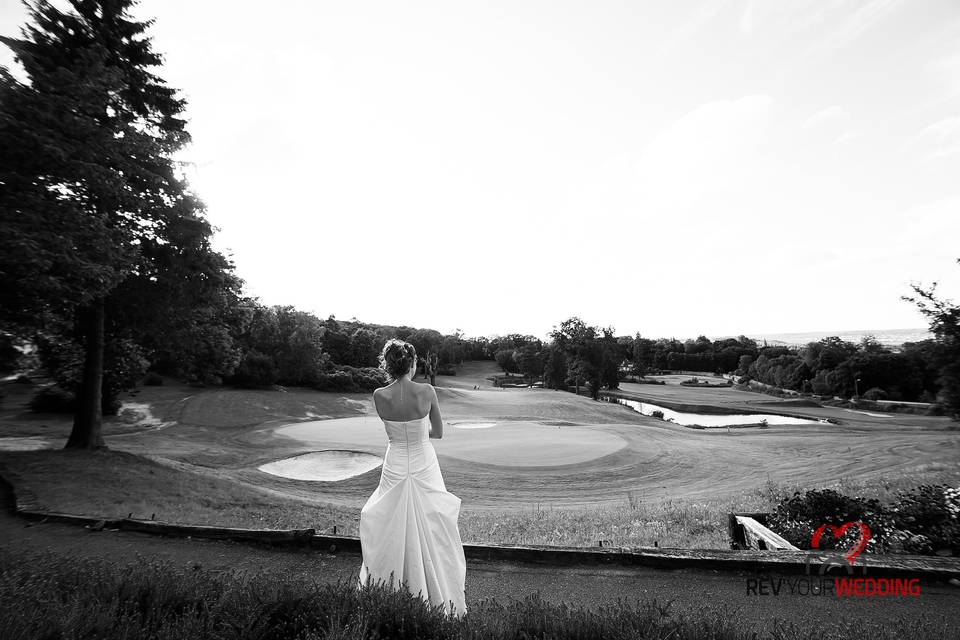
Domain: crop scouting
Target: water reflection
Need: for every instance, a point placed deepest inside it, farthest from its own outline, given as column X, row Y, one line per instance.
column 713, row 420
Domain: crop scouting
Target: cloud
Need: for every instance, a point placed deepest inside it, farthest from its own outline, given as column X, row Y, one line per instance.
column 833, row 113
column 946, row 70
column 680, row 37
column 716, row 147
column 940, row 139
column 853, row 25
column 948, row 128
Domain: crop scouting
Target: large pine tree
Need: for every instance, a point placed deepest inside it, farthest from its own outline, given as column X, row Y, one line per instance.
column 87, row 174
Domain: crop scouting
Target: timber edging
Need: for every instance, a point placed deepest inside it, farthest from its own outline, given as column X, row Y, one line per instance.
column 748, row 561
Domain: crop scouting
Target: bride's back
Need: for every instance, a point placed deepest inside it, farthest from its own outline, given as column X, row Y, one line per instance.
column 402, row 401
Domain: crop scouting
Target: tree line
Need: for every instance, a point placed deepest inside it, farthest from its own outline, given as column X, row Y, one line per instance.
column 925, row 371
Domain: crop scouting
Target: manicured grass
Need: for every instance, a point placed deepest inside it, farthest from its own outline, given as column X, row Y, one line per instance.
column 52, row 596
column 636, row 522
column 113, row 484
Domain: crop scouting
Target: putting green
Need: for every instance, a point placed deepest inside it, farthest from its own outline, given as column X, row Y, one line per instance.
column 506, row 443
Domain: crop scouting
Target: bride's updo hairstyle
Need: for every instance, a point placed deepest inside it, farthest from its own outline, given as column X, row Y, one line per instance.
column 397, row 358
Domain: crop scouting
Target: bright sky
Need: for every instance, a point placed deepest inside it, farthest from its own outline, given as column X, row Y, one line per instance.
column 672, row 168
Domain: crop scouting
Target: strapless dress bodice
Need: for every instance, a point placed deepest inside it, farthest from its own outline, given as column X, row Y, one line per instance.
column 408, row 432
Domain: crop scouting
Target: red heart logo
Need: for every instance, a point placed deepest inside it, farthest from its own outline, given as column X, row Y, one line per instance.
column 852, row 554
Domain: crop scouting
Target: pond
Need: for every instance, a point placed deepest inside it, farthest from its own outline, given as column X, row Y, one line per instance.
column 323, row 466
column 713, row 420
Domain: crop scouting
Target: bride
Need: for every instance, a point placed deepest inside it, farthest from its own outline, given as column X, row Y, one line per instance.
column 408, row 527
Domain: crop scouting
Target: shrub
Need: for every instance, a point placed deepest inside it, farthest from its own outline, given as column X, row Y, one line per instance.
column 256, row 370
column 123, row 366
column 336, row 380
column 370, row 378
column 934, row 410
column 53, row 399
column 657, row 414
column 795, row 518
column 876, row 393
column 928, row 519
column 446, row 370
column 9, row 354
column 153, row 379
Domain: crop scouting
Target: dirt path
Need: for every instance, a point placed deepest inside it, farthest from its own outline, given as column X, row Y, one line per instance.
column 586, row 586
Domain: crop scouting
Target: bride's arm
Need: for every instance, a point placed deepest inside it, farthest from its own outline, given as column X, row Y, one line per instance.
column 436, row 422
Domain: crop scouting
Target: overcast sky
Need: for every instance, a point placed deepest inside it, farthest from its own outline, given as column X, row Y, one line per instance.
column 673, row 168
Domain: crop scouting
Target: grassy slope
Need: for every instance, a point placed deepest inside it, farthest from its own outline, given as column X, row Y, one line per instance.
column 114, row 484
column 667, row 487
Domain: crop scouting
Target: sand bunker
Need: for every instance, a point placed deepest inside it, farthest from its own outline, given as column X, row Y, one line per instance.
column 324, row 466
column 511, row 443
column 472, row 425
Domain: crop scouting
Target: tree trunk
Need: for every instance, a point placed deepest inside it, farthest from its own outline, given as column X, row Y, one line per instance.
column 87, row 430
column 430, row 366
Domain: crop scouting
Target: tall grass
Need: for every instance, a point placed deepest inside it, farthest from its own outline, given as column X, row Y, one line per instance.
column 52, row 597
column 667, row 522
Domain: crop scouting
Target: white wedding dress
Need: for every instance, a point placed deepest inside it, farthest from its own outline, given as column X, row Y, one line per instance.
column 408, row 527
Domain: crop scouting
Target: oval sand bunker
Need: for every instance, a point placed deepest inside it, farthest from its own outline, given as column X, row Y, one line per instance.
column 473, row 425
column 325, row 466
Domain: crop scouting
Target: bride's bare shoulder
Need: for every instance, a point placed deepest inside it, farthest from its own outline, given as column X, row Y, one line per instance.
column 426, row 388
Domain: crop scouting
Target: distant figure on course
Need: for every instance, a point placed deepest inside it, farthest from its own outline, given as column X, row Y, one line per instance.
column 408, row 527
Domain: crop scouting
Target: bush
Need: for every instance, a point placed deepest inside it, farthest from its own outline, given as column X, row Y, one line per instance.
column 9, row 354
column 123, row 366
column 876, row 393
column 934, row 410
column 53, row 399
column 370, row 378
column 657, row 414
column 255, row 371
column 795, row 518
column 152, row 380
column 336, row 380
column 928, row 519
column 504, row 358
